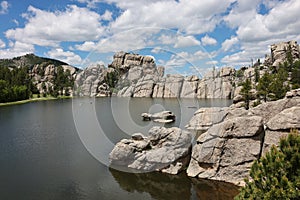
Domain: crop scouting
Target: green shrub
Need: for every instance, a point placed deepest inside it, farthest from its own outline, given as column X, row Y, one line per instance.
column 277, row 174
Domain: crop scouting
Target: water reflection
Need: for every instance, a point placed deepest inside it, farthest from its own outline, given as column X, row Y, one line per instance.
column 70, row 191
column 165, row 186
column 214, row 190
column 159, row 186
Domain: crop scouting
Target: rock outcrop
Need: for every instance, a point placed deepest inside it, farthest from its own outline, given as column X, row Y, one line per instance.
column 93, row 81
column 217, row 84
column 190, row 87
column 134, row 82
column 236, row 137
column 204, row 118
column 138, row 76
column 279, row 52
column 44, row 74
column 165, row 149
column 226, row 151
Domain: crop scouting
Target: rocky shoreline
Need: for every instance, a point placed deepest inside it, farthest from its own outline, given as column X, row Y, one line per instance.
column 231, row 140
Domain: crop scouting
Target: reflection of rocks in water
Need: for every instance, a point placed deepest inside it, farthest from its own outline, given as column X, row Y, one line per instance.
column 71, row 190
column 158, row 185
column 214, row 190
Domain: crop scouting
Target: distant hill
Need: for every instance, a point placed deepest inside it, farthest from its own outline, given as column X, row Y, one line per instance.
column 29, row 60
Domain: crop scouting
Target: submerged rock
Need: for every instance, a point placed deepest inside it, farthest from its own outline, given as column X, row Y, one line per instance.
column 166, row 150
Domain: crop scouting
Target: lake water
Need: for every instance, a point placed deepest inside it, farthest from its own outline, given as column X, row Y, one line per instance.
column 59, row 150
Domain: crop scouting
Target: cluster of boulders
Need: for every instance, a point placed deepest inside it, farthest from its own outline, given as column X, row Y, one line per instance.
column 165, row 149
column 238, row 137
column 230, row 140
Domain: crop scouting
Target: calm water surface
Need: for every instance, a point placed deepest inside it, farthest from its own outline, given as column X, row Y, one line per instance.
column 59, row 150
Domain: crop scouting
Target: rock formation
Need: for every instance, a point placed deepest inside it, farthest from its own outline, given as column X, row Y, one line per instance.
column 141, row 78
column 160, row 117
column 138, row 76
column 233, row 139
column 204, row 118
column 279, row 52
column 226, row 151
column 236, row 137
column 44, row 74
column 134, row 75
column 93, row 81
column 165, row 149
column 217, row 84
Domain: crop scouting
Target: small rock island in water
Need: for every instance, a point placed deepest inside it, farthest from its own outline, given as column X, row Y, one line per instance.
column 160, row 117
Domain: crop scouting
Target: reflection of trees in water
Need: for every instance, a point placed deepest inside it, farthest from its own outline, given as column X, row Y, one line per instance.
column 165, row 186
column 158, row 185
column 214, row 190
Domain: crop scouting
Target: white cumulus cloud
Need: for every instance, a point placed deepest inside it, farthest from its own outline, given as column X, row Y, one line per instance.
column 47, row 28
column 191, row 17
column 186, row 41
column 65, row 56
column 206, row 40
column 16, row 49
column 229, row 43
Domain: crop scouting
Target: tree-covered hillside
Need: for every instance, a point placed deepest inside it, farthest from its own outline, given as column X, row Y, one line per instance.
column 18, row 77
column 28, row 60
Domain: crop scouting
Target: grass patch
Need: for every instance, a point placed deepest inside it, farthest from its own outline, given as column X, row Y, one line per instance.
column 34, row 99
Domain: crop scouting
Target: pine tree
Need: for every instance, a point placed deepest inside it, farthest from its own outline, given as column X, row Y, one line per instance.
column 277, row 86
column 295, row 77
column 277, row 174
column 263, row 87
column 245, row 92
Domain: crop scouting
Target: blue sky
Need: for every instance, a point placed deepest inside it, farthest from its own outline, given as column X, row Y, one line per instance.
column 185, row 36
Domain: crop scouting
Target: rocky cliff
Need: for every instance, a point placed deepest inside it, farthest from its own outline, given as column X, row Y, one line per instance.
column 95, row 80
column 233, row 137
column 133, row 75
column 138, row 76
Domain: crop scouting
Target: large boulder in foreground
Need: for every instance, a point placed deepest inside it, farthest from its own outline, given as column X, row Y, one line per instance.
column 237, row 137
column 165, row 149
column 226, row 151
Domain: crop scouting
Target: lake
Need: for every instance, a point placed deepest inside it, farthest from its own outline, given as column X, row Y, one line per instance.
column 59, row 150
